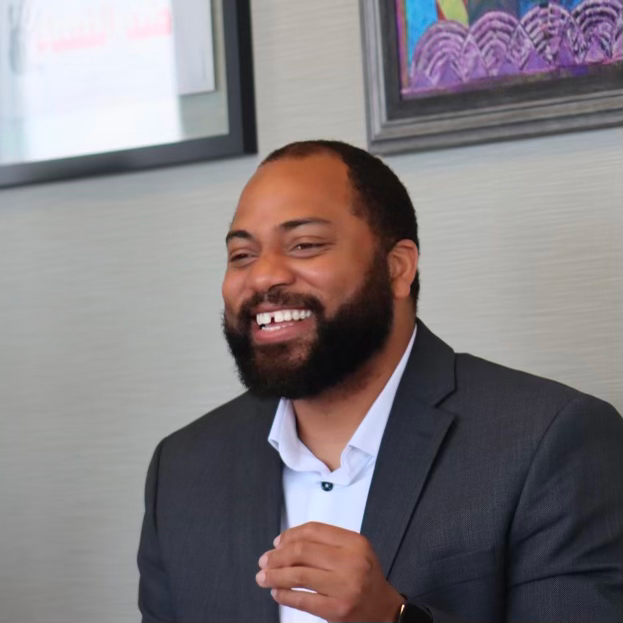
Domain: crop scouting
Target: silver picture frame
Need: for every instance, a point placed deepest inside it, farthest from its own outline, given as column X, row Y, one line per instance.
column 536, row 108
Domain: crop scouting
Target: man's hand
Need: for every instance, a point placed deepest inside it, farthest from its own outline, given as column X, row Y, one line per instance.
column 341, row 568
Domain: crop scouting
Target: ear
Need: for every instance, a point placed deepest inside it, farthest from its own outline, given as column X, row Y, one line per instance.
column 403, row 262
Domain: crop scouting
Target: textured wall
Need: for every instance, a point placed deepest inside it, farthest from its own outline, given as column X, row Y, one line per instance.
column 110, row 302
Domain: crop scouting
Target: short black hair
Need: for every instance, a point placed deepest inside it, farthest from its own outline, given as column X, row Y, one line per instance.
column 381, row 197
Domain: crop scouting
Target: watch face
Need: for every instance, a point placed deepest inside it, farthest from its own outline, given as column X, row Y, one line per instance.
column 415, row 614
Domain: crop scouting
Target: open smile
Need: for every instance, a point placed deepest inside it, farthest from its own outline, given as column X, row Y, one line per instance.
column 281, row 324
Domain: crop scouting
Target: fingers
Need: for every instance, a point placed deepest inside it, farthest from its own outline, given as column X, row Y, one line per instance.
column 319, row 533
column 318, row 580
column 338, row 565
column 301, row 553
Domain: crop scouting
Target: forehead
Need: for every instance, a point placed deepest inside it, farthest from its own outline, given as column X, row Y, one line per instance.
column 291, row 188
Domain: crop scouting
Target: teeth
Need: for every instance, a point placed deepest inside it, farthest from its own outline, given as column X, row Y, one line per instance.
column 263, row 319
column 284, row 315
column 277, row 327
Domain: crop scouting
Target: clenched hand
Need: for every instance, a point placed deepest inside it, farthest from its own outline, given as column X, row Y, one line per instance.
column 341, row 568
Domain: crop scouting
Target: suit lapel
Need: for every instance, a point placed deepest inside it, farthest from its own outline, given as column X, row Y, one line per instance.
column 257, row 516
column 413, row 436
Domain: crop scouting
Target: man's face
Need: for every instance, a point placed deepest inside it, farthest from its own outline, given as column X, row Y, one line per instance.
column 307, row 293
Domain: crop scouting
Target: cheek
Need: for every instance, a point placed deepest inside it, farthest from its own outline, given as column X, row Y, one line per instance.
column 231, row 295
column 332, row 284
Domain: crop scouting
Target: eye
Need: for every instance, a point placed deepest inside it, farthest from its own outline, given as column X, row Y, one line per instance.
column 308, row 246
column 239, row 257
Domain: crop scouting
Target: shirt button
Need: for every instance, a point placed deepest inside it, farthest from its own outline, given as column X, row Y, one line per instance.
column 327, row 486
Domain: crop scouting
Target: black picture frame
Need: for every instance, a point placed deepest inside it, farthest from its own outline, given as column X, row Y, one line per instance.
column 520, row 110
column 240, row 139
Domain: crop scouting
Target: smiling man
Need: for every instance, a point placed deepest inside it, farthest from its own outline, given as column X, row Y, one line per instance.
column 369, row 473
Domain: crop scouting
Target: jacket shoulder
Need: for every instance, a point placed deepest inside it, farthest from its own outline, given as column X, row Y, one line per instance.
column 218, row 430
column 505, row 393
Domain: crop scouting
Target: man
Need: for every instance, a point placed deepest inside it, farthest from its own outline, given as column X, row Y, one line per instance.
column 370, row 473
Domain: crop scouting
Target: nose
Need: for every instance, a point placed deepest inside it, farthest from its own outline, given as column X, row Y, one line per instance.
column 269, row 270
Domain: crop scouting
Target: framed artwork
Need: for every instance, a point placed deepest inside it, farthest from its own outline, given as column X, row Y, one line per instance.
column 442, row 73
column 106, row 86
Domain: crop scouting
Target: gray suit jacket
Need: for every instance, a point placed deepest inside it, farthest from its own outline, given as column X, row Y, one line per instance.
column 497, row 496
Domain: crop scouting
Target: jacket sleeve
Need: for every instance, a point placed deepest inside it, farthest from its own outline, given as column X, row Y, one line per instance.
column 154, row 594
column 565, row 556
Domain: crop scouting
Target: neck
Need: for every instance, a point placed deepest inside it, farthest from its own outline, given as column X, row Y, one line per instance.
column 326, row 422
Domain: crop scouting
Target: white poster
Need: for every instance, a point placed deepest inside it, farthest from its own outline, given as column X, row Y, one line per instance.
column 194, row 49
column 90, row 76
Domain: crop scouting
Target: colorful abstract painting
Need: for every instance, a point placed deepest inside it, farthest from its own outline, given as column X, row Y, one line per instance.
column 469, row 44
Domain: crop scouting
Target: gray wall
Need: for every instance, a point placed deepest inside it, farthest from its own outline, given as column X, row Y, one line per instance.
column 110, row 302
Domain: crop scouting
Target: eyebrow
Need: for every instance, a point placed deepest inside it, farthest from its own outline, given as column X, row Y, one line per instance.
column 286, row 226
column 238, row 233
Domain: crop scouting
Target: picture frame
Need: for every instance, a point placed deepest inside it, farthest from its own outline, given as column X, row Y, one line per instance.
column 520, row 108
column 234, row 78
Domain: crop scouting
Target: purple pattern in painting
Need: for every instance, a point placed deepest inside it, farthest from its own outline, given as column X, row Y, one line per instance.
column 449, row 55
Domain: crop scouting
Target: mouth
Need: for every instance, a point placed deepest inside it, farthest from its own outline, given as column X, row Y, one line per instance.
column 273, row 321
column 281, row 324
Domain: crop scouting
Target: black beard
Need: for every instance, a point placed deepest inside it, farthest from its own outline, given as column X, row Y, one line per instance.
column 342, row 345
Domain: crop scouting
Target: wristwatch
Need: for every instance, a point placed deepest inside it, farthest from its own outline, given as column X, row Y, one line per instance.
column 411, row 613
